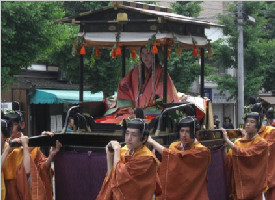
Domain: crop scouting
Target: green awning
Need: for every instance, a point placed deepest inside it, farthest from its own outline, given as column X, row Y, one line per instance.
column 63, row 96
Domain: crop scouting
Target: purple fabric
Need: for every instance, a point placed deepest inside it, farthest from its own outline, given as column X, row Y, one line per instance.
column 216, row 176
column 79, row 175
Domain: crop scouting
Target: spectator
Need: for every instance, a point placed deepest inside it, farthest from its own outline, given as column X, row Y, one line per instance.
column 70, row 127
column 227, row 123
column 216, row 122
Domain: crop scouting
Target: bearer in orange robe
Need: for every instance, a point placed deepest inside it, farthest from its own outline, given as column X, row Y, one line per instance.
column 268, row 133
column 132, row 169
column 184, row 165
column 27, row 171
column 5, row 150
column 247, row 162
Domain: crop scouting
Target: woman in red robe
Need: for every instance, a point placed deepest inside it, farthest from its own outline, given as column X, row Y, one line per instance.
column 142, row 88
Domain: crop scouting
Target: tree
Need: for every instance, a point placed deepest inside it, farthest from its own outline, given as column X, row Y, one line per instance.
column 259, row 49
column 187, row 8
column 269, row 73
column 102, row 73
column 184, row 68
column 28, row 33
column 105, row 73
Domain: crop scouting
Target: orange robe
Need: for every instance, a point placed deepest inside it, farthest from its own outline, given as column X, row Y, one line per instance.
column 133, row 177
column 16, row 180
column 246, row 168
column 3, row 187
column 183, row 173
column 268, row 133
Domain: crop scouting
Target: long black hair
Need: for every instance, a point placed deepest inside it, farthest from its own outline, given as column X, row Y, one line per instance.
column 142, row 78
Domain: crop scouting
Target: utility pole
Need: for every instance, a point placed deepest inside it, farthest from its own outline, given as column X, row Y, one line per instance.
column 240, row 64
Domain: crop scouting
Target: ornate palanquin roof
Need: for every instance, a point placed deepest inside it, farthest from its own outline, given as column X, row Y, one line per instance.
column 133, row 24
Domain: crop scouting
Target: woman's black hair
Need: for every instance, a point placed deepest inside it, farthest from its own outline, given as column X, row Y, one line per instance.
column 143, row 65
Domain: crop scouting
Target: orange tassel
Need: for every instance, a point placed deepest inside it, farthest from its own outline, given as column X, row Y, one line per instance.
column 179, row 51
column 118, row 51
column 155, row 49
column 195, row 51
column 82, row 50
column 134, row 54
column 97, row 53
column 113, row 53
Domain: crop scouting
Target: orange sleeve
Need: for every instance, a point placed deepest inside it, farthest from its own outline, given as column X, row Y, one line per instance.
column 135, row 179
column 179, row 178
column 246, row 157
column 105, row 191
column 229, row 177
column 255, row 149
column 23, row 189
column 41, row 177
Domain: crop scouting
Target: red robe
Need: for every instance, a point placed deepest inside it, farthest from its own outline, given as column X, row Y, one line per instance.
column 268, row 133
column 183, row 173
column 133, row 177
column 16, row 181
column 128, row 88
column 246, row 168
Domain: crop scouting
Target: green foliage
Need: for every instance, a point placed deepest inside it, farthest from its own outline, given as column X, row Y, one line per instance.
column 105, row 74
column 269, row 14
column 269, row 75
column 73, row 8
column 6, row 79
column 97, row 71
column 184, row 68
column 225, row 82
column 259, row 47
column 187, row 8
column 28, row 32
